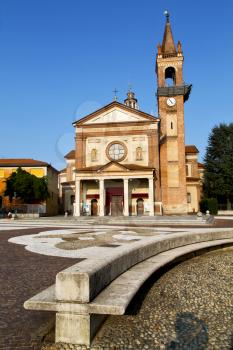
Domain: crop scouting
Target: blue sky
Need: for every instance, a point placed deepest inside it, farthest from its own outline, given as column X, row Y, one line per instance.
column 61, row 59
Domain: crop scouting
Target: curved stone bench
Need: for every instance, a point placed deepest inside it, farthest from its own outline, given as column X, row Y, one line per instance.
column 77, row 320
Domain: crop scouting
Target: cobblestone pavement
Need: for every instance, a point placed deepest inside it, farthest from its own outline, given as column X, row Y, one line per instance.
column 190, row 307
column 22, row 275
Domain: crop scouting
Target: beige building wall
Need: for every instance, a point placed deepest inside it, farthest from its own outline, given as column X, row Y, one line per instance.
column 130, row 141
column 192, row 198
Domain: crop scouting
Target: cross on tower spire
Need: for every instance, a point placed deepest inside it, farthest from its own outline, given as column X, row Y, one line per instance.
column 166, row 13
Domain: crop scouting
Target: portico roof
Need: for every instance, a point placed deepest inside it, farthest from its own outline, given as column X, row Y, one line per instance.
column 122, row 167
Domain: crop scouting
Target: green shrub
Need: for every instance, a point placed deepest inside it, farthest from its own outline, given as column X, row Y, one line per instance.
column 210, row 204
column 213, row 206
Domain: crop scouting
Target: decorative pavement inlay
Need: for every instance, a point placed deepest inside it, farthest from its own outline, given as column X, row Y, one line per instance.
column 83, row 242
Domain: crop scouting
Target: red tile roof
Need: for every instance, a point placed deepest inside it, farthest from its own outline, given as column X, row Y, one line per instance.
column 201, row 166
column 70, row 155
column 62, row 171
column 126, row 166
column 191, row 149
column 17, row 162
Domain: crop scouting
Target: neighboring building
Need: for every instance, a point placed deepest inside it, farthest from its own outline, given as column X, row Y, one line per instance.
column 66, row 184
column 128, row 162
column 194, row 178
column 37, row 168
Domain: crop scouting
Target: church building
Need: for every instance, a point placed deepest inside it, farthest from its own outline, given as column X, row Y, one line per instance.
column 128, row 162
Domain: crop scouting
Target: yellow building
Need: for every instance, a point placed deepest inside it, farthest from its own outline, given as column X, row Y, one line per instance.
column 39, row 169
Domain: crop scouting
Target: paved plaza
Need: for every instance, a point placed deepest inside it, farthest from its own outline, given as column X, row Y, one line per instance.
column 22, row 275
column 34, row 251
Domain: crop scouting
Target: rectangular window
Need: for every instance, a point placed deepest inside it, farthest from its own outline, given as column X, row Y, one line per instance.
column 189, row 197
column 188, row 170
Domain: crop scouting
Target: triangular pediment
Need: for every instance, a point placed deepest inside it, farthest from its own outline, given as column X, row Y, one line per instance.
column 113, row 167
column 115, row 113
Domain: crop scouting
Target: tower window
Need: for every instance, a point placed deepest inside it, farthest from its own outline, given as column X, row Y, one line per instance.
column 172, row 125
column 170, row 76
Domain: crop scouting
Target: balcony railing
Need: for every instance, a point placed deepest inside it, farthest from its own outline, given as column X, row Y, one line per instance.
column 175, row 91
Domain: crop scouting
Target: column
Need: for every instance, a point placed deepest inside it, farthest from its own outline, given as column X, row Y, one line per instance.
column 126, row 197
column 102, row 198
column 77, row 197
column 151, row 196
column 78, row 329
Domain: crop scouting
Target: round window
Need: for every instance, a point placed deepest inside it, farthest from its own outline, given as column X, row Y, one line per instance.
column 116, row 151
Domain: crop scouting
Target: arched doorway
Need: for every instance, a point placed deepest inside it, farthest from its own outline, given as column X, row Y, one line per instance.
column 94, row 207
column 140, row 206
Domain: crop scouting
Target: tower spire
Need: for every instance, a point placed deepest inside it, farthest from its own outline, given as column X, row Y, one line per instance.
column 168, row 45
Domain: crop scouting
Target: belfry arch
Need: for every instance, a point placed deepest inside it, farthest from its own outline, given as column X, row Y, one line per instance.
column 170, row 76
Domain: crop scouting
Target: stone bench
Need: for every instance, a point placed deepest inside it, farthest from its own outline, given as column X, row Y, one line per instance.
column 81, row 302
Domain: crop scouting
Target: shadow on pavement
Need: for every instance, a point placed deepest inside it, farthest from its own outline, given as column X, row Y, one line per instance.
column 191, row 333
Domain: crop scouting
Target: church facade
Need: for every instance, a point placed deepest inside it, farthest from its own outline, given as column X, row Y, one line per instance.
column 128, row 162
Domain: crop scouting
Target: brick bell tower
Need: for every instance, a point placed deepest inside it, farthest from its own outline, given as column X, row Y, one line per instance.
column 171, row 95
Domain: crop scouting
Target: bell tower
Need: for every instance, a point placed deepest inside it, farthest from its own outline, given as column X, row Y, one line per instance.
column 171, row 96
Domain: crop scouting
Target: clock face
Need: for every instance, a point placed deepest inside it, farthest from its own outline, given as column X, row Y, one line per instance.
column 171, row 101
column 116, row 151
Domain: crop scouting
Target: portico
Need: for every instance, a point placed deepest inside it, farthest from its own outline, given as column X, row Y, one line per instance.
column 115, row 195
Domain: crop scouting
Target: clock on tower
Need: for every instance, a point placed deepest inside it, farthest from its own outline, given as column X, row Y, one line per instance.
column 171, row 95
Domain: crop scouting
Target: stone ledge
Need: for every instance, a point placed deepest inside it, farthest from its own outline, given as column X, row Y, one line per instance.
column 76, row 321
column 83, row 281
column 115, row 298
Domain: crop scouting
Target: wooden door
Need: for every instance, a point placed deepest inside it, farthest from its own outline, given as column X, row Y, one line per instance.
column 140, row 206
column 94, row 207
column 117, row 205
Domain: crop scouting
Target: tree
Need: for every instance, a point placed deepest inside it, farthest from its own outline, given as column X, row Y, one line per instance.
column 27, row 187
column 218, row 161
